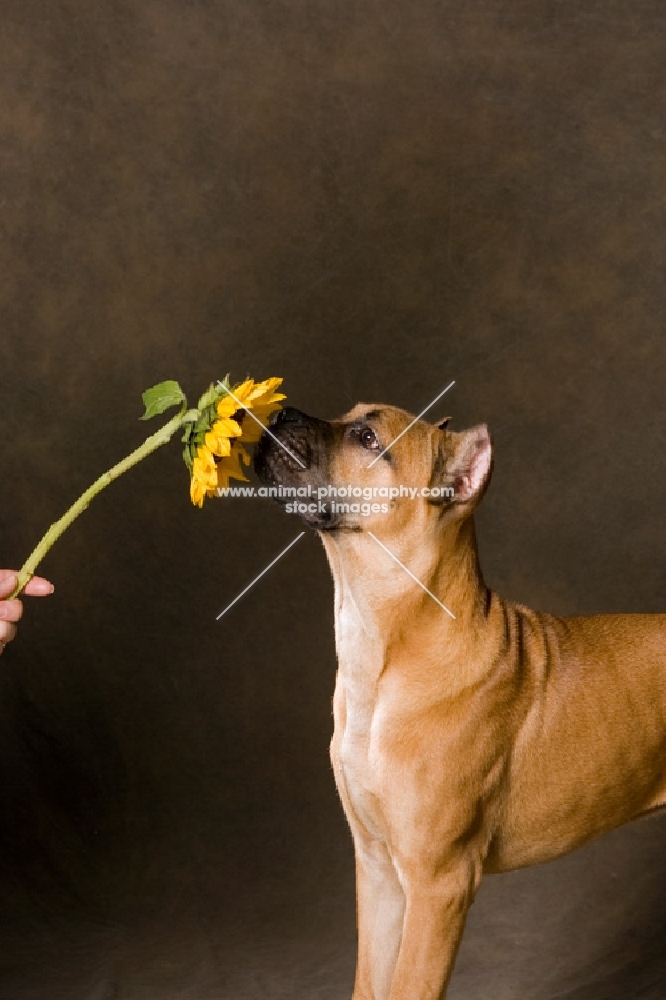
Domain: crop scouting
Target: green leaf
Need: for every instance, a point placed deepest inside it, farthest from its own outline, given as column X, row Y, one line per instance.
column 187, row 457
column 161, row 397
column 210, row 396
column 205, row 420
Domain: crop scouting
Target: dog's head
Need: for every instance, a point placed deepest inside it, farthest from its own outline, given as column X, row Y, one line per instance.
column 375, row 461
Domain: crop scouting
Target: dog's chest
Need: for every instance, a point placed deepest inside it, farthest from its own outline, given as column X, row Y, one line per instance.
column 355, row 758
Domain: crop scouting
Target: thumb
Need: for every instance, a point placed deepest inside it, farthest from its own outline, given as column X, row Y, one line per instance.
column 8, row 580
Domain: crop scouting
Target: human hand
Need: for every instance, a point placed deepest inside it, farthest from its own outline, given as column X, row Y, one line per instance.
column 11, row 610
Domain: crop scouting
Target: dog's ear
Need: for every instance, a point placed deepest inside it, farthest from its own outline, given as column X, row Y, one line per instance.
column 462, row 466
column 443, row 424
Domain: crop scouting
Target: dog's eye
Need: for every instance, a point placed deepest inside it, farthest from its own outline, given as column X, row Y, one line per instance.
column 368, row 438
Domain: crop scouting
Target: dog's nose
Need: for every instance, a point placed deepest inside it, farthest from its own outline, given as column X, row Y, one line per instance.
column 290, row 415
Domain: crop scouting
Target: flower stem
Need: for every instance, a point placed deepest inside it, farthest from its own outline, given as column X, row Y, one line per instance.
column 155, row 441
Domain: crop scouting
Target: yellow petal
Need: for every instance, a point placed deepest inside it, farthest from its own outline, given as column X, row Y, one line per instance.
column 270, row 399
column 198, row 470
column 230, row 467
column 207, row 458
column 197, row 493
column 226, row 406
column 242, row 391
column 252, row 430
column 225, row 427
column 203, row 467
column 264, row 388
column 264, row 411
column 253, row 433
column 219, row 446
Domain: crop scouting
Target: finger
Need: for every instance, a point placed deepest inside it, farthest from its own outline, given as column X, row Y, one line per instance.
column 11, row 611
column 8, row 580
column 38, row 587
column 7, row 631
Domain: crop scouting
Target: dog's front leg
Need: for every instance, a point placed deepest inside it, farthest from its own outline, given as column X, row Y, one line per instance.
column 380, row 906
column 436, row 907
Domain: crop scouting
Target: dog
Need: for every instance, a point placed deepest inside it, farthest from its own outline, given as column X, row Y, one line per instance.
column 471, row 733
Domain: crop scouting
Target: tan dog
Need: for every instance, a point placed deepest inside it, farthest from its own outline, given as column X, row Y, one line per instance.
column 498, row 739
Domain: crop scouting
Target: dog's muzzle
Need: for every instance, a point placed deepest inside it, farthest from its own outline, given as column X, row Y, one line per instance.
column 292, row 454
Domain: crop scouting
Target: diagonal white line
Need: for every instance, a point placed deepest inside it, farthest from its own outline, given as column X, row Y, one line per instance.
column 270, row 565
column 409, row 573
column 265, row 429
column 377, row 457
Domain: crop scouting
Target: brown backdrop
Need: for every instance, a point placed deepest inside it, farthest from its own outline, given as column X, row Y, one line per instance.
column 369, row 199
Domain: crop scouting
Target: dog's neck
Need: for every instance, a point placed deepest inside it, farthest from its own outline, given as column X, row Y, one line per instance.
column 376, row 598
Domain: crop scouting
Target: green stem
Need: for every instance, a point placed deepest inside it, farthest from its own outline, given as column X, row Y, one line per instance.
column 155, row 441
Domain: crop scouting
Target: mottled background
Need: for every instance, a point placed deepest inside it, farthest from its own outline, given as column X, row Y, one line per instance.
column 370, row 199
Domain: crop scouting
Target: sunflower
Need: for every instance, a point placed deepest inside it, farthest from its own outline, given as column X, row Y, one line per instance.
column 229, row 419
